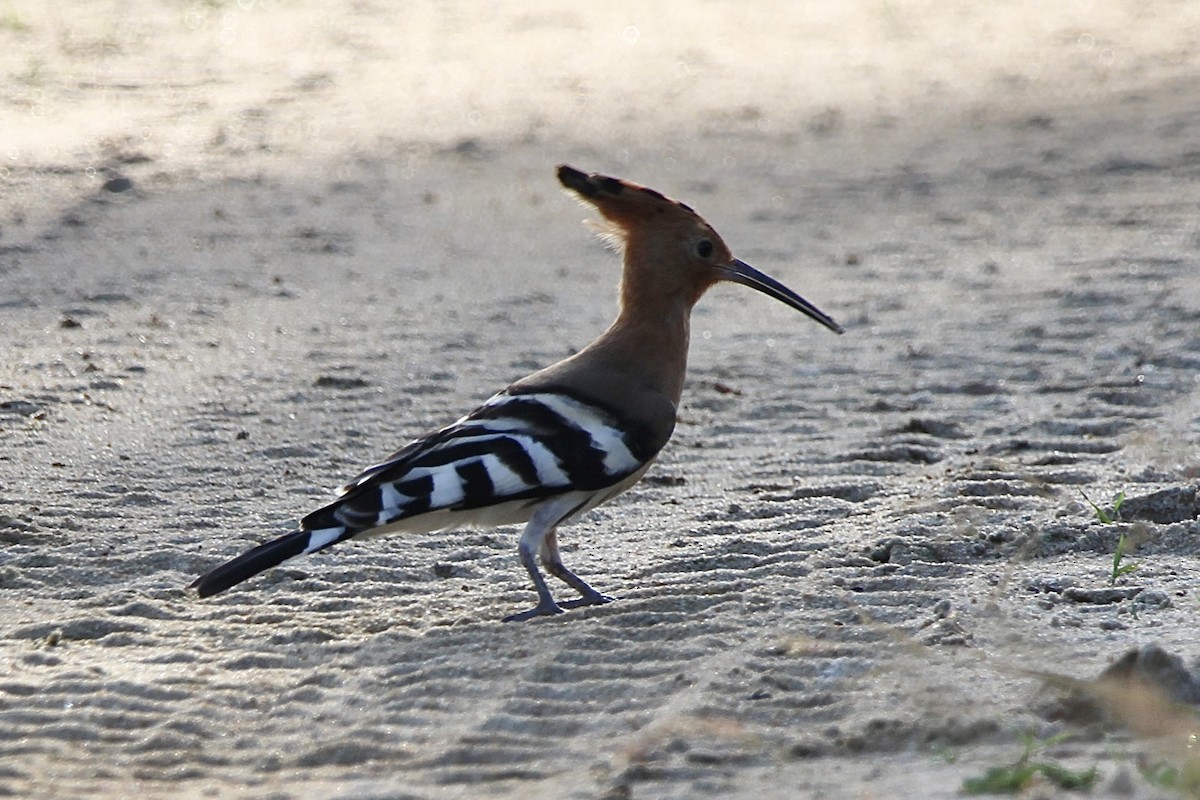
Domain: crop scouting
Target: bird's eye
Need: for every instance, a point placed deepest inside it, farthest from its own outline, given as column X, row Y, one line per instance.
column 705, row 248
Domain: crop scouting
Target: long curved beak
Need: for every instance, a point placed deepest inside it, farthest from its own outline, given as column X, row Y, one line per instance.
column 741, row 272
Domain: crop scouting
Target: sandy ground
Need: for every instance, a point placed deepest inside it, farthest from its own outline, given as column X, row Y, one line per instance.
column 247, row 248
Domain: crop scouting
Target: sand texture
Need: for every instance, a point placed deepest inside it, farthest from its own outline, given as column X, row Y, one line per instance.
column 247, row 248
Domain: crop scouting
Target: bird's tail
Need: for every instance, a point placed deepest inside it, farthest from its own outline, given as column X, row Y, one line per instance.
column 265, row 556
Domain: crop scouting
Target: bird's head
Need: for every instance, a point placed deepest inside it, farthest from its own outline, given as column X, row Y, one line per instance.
column 668, row 247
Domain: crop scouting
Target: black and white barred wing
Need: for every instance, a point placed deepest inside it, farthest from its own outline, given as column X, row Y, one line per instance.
column 491, row 467
column 497, row 461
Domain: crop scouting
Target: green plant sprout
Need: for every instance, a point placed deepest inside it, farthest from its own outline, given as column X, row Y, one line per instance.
column 1123, row 545
column 1165, row 775
column 1020, row 774
column 1107, row 517
column 1119, row 569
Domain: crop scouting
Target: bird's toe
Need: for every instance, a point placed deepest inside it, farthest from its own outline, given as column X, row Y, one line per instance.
column 593, row 599
column 540, row 610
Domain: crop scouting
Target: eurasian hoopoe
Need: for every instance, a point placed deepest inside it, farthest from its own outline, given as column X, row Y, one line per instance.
column 565, row 439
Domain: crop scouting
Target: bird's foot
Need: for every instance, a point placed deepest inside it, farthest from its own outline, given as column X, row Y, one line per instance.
column 593, row 599
column 542, row 609
column 548, row 608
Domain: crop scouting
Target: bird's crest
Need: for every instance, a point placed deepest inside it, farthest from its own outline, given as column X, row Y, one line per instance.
column 623, row 204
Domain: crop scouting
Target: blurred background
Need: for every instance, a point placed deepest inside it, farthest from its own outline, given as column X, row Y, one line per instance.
column 191, row 84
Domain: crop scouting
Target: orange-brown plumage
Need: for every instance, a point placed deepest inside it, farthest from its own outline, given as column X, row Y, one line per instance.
column 671, row 257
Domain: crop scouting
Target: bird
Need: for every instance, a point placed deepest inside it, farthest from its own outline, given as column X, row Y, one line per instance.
column 557, row 443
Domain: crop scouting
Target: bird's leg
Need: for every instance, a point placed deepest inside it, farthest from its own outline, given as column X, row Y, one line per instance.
column 539, row 526
column 553, row 564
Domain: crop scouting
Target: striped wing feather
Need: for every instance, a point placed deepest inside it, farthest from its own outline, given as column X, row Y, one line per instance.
column 513, row 447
